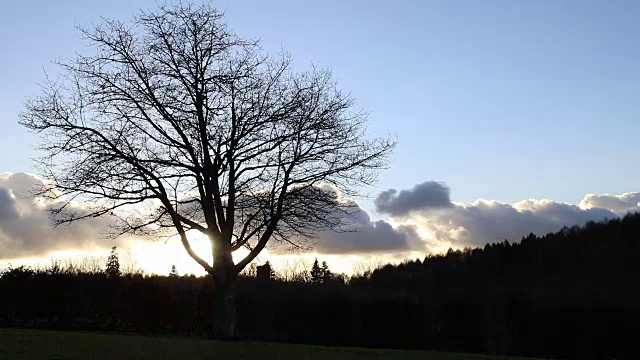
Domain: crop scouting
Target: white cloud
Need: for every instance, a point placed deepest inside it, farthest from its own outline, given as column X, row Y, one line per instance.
column 620, row 204
column 485, row 221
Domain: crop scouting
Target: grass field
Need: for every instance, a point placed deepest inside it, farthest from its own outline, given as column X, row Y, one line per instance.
column 58, row 345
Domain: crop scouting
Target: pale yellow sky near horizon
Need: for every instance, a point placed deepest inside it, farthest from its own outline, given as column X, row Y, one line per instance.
column 157, row 257
column 411, row 230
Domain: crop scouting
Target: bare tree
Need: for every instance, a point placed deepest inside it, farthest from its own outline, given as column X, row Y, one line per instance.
column 129, row 264
column 295, row 270
column 92, row 264
column 365, row 268
column 176, row 124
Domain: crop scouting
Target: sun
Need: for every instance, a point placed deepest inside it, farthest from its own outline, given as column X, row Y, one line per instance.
column 158, row 256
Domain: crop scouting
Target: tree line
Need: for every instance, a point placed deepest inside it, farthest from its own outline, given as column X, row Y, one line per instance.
column 569, row 294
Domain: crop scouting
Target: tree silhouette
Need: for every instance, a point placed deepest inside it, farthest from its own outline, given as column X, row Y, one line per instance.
column 113, row 264
column 174, row 272
column 176, row 112
column 316, row 273
column 265, row 272
column 327, row 276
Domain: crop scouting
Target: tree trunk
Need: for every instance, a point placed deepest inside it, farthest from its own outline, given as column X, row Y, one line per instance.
column 224, row 321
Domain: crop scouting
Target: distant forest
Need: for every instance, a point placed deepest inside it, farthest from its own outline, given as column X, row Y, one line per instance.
column 571, row 294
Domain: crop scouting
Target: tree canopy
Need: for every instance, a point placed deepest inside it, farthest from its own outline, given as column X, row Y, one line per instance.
column 174, row 123
column 175, row 111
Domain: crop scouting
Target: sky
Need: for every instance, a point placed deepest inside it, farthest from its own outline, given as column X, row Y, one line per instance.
column 504, row 101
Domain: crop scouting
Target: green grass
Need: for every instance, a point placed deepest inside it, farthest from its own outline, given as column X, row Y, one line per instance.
column 58, row 345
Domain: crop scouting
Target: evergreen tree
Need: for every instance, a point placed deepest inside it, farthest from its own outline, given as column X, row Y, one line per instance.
column 316, row 273
column 326, row 273
column 113, row 264
column 174, row 272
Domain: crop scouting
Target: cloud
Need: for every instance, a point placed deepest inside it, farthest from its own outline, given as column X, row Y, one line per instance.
column 8, row 209
column 428, row 195
column 368, row 237
column 25, row 227
column 422, row 219
column 26, row 230
column 485, row 221
column 620, row 204
column 490, row 221
column 358, row 234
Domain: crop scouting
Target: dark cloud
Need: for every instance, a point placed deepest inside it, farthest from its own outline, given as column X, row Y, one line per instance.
column 8, row 209
column 358, row 234
column 428, row 195
column 25, row 227
column 368, row 237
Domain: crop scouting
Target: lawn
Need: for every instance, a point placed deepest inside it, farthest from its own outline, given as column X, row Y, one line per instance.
column 58, row 345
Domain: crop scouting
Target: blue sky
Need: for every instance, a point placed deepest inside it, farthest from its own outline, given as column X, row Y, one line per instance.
column 503, row 100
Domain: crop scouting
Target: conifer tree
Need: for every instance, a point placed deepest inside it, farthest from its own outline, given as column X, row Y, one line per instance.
column 316, row 273
column 113, row 264
column 174, row 272
column 326, row 273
